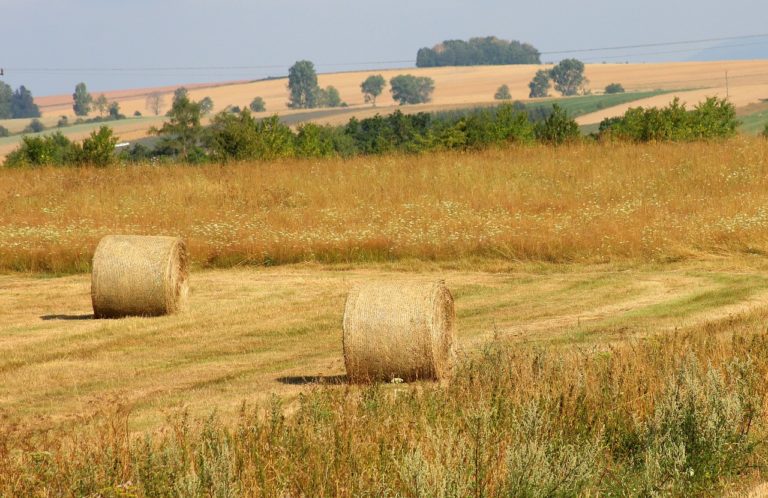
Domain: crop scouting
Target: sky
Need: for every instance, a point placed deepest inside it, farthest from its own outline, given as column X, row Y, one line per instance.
column 51, row 45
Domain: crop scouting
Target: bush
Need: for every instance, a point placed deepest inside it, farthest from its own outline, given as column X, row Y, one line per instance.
column 63, row 121
column 713, row 118
column 765, row 131
column 614, row 88
column 99, row 148
column 328, row 97
column 4, row 132
column 137, row 114
column 240, row 137
column 503, row 93
column 558, row 128
column 257, row 105
column 409, row 89
column 34, row 126
column 54, row 149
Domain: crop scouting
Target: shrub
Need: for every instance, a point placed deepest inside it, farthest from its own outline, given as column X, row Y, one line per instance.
column 558, row 128
column 257, row 105
column 713, row 118
column 63, row 121
column 503, row 93
column 4, row 132
column 328, row 97
column 99, row 148
column 314, row 140
column 614, row 88
column 34, row 126
column 240, row 137
column 540, row 84
column 137, row 114
column 54, row 149
column 765, row 130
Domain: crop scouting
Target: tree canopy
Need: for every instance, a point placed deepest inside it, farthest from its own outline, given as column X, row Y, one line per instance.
column 23, row 104
column 372, row 87
column 81, row 100
column 540, row 84
column 478, row 52
column 302, row 83
column 568, row 77
column 410, row 89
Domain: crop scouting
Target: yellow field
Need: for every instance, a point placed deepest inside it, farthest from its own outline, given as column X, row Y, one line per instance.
column 562, row 261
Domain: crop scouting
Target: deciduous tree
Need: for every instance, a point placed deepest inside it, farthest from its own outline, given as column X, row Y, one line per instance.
column 372, row 88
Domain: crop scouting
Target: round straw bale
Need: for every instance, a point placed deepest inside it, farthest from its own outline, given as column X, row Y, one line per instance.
column 138, row 275
column 399, row 329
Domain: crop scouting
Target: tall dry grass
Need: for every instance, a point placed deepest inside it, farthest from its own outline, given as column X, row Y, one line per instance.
column 581, row 203
column 680, row 415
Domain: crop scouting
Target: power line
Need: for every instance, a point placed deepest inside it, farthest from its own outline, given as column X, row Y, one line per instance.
column 150, row 69
column 660, row 44
column 681, row 51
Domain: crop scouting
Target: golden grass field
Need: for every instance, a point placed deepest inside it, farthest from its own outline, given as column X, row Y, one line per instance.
column 582, row 244
column 600, row 273
column 454, row 87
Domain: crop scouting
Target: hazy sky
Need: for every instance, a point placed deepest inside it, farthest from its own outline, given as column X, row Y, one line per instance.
column 140, row 34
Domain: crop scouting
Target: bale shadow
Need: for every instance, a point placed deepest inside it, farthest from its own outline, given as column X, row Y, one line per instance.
column 67, row 317
column 313, row 379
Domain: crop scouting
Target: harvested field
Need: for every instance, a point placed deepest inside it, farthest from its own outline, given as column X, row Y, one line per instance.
column 253, row 332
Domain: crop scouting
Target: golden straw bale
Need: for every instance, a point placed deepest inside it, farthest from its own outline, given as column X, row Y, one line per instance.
column 139, row 275
column 398, row 329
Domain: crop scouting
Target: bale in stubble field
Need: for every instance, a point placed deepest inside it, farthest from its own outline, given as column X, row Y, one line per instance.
column 139, row 275
column 398, row 330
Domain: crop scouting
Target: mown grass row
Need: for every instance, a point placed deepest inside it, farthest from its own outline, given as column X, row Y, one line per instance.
column 679, row 415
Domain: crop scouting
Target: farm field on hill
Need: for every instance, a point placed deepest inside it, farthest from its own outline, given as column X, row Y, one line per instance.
column 455, row 87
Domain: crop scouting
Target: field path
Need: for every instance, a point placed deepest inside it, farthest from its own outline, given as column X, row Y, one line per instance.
column 252, row 332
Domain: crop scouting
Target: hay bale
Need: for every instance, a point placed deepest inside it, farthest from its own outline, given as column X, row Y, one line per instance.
column 398, row 330
column 137, row 275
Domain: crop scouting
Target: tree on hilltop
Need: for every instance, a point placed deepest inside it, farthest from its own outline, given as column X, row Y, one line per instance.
column 23, row 104
column 568, row 76
column 372, row 88
column 302, row 83
column 6, row 101
column 81, row 100
column 257, row 105
column 101, row 104
column 155, row 103
column 540, row 84
column 182, row 132
column 410, row 89
column 503, row 93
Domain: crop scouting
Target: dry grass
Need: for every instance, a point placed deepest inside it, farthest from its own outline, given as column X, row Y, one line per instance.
column 587, row 203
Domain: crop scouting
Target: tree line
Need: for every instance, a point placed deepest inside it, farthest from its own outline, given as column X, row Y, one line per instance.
column 478, row 52
column 242, row 137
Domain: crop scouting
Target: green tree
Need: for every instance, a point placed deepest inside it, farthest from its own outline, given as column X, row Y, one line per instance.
column 4, row 132
column 180, row 93
column 328, row 97
column 503, row 93
column 6, row 101
column 206, row 106
column 101, row 104
column 23, row 104
column 257, row 105
column 114, row 111
column 182, row 132
column 302, row 83
column 409, row 89
column 540, row 84
column 568, row 76
column 614, row 88
column 372, row 87
column 81, row 100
